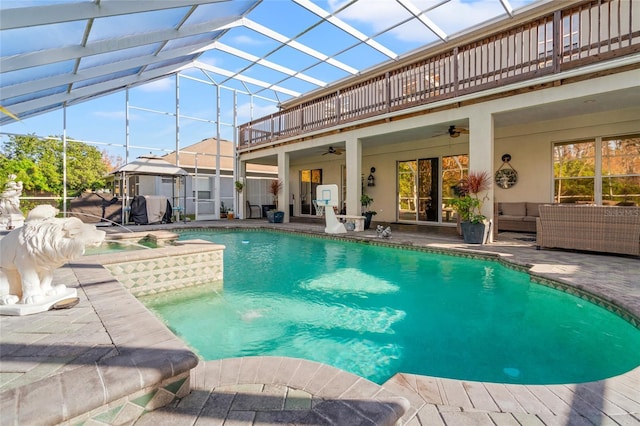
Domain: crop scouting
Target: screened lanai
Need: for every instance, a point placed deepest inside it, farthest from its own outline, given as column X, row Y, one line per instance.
column 134, row 78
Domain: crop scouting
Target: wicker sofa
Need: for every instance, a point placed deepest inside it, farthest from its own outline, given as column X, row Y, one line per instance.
column 515, row 216
column 606, row 229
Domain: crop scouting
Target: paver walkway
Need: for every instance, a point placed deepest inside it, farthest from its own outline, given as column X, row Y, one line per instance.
column 279, row 390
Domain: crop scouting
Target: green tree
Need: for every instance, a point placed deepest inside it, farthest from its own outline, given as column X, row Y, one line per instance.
column 85, row 168
column 38, row 163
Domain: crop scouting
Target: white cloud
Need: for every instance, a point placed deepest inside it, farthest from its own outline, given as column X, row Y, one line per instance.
column 163, row 85
column 244, row 111
column 118, row 115
column 246, row 40
column 452, row 17
column 115, row 115
column 208, row 60
column 377, row 13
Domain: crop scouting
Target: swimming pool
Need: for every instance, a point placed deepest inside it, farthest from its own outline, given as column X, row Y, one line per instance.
column 108, row 247
column 376, row 311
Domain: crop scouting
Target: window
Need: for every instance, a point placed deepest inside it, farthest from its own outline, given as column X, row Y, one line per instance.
column 345, row 102
column 545, row 42
column 621, row 170
column 425, row 193
column 574, row 172
column 309, row 181
column 570, row 35
column 201, row 188
column 454, row 168
column 329, row 108
column 409, row 86
column 600, row 171
column 433, row 82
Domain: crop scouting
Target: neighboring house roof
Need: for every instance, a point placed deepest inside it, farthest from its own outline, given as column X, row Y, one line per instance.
column 151, row 165
column 205, row 154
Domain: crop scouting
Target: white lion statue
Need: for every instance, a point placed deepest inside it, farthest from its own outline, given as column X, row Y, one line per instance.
column 32, row 253
column 10, row 197
column 10, row 213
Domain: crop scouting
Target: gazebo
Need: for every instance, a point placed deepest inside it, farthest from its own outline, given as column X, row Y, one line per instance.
column 151, row 165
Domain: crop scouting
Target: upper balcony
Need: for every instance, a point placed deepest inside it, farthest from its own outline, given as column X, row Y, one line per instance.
column 543, row 43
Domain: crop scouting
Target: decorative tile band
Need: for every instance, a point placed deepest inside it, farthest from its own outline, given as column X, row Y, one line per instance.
column 128, row 409
column 589, row 297
column 187, row 264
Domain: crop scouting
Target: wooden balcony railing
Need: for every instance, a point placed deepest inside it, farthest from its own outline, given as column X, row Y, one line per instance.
column 589, row 32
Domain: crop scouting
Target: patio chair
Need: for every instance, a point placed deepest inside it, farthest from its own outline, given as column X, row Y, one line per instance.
column 250, row 208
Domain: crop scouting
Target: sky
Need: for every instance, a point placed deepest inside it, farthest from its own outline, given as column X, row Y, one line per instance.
column 152, row 107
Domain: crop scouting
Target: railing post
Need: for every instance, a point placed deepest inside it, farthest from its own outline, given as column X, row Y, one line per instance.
column 338, row 109
column 272, row 126
column 456, row 77
column 300, row 107
column 387, row 92
column 557, row 41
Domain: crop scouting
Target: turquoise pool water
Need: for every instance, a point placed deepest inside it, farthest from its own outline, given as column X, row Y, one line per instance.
column 376, row 311
column 108, row 247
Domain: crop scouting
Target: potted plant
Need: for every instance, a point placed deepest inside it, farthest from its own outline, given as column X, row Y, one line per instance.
column 239, row 186
column 223, row 210
column 474, row 225
column 230, row 214
column 275, row 216
column 366, row 201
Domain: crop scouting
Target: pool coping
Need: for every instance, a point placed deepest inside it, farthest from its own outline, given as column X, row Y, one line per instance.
column 136, row 360
column 155, row 353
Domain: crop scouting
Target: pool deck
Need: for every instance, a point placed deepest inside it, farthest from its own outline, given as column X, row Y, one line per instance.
column 109, row 339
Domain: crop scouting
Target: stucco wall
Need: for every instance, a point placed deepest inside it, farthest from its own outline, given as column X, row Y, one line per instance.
column 530, row 147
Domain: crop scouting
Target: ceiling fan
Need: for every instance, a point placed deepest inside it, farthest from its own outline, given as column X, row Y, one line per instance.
column 454, row 131
column 332, row 150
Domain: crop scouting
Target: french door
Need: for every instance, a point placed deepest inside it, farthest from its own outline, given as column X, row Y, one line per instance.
column 418, row 190
column 309, row 181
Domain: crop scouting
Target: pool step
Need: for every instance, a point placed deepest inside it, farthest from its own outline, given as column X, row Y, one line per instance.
column 280, row 390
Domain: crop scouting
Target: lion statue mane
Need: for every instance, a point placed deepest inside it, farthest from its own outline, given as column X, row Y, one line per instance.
column 32, row 253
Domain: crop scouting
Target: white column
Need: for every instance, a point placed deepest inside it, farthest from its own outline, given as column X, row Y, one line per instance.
column 216, row 179
column 354, row 175
column 283, row 175
column 481, row 155
column 241, row 173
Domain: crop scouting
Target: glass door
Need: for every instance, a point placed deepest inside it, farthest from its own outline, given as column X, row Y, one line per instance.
column 418, row 190
column 309, row 181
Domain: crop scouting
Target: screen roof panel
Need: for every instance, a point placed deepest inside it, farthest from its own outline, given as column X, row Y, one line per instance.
column 206, row 12
column 113, row 27
column 34, row 95
column 13, row 78
column 195, row 41
column 273, row 14
column 278, row 49
column 41, row 38
column 118, row 55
